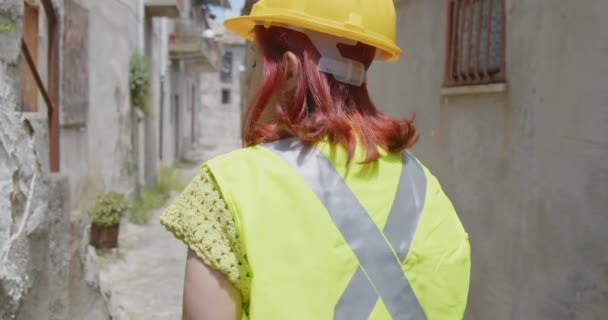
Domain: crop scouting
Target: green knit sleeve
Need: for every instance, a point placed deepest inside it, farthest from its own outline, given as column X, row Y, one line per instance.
column 200, row 218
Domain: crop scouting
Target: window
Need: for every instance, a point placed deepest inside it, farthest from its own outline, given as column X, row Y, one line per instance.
column 226, row 72
column 475, row 42
column 225, row 96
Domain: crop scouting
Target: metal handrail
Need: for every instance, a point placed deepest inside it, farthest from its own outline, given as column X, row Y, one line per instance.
column 32, row 67
column 49, row 96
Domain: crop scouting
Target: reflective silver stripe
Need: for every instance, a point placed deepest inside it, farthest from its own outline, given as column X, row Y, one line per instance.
column 399, row 230
column 358, row 300
column 407, row 206
column 378, row 261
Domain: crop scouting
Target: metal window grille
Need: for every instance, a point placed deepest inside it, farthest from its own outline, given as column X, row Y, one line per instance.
column 475, row 42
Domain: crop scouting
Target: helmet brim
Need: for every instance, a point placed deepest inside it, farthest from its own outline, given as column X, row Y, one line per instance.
column 244, row 25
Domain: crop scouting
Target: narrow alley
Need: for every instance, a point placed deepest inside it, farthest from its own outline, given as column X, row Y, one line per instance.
column 144, row 276
column 109, row 107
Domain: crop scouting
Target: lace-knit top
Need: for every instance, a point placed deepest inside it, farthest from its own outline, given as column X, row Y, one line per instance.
column 200, row 218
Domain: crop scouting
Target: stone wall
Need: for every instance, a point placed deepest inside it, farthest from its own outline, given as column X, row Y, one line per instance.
column 24, row 187
column 37, row 260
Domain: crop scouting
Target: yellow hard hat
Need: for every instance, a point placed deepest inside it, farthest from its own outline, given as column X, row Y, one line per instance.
column 372, row 22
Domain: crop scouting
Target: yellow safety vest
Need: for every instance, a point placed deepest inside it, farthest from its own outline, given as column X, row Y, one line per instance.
column 327, row 240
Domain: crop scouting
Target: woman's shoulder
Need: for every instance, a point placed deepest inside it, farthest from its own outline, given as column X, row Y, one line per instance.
column 244, row 157
column 202, row 220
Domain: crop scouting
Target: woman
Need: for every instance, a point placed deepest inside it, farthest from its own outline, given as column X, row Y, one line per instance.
column 324, row 214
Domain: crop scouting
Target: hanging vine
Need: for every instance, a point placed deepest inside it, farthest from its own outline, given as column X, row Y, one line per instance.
column 139, row 83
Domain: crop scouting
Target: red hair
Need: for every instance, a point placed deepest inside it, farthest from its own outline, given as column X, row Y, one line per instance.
column 319, row 106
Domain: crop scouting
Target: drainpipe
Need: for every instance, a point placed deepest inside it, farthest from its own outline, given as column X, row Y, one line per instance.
column 164, row 56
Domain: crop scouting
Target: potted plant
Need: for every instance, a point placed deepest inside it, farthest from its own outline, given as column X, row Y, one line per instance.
column 105, row 220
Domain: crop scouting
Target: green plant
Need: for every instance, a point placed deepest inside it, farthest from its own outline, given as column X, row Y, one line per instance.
column 170, row 179
column 132, row 161
column 132, row 316
column 185, row 162
column 156, row 196
column 139, row 83
column 108, row 209
column 142, row 208
column 7, row 26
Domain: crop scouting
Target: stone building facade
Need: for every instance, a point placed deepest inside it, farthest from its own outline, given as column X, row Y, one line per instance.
column 221, row 97
column 524, row 157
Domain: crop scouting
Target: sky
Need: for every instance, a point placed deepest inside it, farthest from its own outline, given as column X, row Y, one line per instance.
column 223, row 14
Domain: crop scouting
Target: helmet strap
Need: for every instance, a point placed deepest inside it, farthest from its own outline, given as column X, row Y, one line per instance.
column 332, row 62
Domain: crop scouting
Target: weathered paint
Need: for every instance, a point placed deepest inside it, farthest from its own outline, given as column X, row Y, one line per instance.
column 98, row 156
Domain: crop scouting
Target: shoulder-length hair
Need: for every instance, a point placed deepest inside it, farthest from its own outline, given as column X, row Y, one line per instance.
column 319, row 106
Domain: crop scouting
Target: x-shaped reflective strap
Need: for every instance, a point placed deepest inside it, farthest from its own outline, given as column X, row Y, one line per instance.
column 380, row 274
